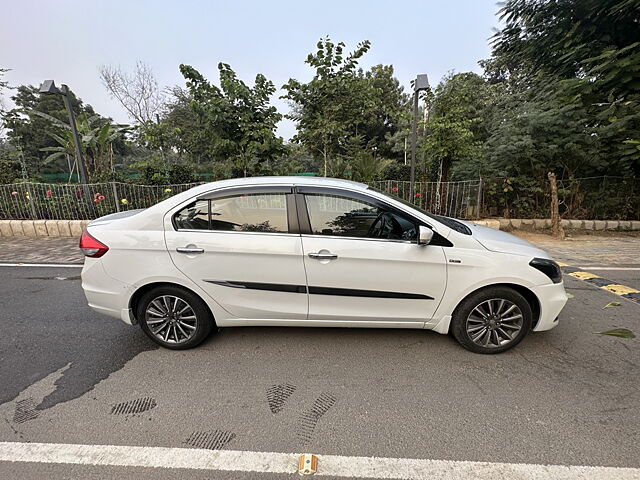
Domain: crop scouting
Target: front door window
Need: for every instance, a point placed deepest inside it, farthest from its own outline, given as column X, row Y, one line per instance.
column 341, row 216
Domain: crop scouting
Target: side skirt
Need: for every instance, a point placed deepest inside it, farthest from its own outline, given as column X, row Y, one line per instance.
column 271, row 322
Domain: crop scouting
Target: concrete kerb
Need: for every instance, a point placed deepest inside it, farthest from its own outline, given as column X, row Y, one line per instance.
column 42, row 228
column 509, row 224
column 73, row 228
column 16, row 228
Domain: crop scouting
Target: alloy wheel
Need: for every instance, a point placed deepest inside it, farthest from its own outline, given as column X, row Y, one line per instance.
column 171, row 319
column 494, row 323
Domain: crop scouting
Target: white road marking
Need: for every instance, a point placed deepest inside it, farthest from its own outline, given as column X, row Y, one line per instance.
column 54, row 265
column 287, row 463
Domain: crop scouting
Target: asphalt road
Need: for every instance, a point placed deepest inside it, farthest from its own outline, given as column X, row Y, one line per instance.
column 564, row 397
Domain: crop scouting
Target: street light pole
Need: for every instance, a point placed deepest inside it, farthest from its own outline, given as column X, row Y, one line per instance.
column 421, row 83
column 48, row 87
column 64, row 90
column 414, row 135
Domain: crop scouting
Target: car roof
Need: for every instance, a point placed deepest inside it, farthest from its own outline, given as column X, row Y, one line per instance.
column 161, row 208
column 286, row 180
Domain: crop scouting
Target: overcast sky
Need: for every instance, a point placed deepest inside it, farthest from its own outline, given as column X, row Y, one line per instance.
column 67, row 40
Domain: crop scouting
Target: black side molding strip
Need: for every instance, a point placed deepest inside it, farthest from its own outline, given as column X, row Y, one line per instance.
column 351, row 292
column 273, row 287
column 342, row 292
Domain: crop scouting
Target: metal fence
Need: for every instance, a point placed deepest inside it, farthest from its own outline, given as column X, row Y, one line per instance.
column 460, row 199
column 580, row 198
column 43, row 201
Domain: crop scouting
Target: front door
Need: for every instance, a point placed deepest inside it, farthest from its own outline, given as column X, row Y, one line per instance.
column 237, row 246
column 363, row 262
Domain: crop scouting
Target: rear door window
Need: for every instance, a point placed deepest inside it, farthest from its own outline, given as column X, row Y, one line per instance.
column 259, row 212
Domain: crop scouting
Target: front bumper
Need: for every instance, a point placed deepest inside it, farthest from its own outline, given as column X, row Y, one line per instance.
column 552, row 298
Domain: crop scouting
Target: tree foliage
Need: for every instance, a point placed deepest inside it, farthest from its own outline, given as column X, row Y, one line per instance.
column 30, row 132
column 233, row 123
column 344, row 111
column 457, row 125
column 96, row 136
column 570, row 76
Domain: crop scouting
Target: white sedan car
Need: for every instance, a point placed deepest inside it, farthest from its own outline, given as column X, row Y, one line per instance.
column 314, row 252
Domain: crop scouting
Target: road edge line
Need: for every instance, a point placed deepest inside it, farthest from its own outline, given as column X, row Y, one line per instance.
column 287, row 463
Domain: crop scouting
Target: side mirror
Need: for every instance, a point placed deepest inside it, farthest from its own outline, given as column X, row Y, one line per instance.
column 425, row 235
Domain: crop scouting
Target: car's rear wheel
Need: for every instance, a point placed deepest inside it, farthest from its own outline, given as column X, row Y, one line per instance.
column 492, row 320
column 174, row 317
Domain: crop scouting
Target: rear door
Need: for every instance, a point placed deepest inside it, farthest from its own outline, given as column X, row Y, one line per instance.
column 240, row 245
column 363, row 262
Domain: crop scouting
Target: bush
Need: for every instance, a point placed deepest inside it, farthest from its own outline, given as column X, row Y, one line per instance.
column 107, row 176
column 396, row 171
column 9, row 164
column 9, row 171
column 181, row 173
column 516, row 197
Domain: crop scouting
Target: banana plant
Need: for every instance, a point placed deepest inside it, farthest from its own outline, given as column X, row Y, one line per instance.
column 96, row 139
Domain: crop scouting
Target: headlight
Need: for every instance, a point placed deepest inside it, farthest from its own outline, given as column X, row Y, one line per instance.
column 550, row 268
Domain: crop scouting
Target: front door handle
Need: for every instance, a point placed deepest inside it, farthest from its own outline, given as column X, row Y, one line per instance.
column 189, row 249
column 323, row 256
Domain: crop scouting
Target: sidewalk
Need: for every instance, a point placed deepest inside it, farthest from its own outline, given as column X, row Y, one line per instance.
column 40, row 250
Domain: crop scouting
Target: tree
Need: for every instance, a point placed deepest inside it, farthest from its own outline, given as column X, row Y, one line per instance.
column 570, row 71
column 178, row 131
column 457, row 124
column 137, row 92
column 390, row 113
column 3, row 85
column 343, row 111
column 30, row 132
column 234, row 121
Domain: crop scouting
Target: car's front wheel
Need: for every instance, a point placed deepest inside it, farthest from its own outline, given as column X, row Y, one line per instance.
column 174, row 317
column 492, row 320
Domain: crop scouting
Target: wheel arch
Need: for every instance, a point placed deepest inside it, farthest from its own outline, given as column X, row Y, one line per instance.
column 530, row 297
column 137, row 295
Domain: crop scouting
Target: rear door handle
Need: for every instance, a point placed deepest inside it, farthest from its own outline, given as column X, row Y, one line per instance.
column 323, row 256
column 189, row 250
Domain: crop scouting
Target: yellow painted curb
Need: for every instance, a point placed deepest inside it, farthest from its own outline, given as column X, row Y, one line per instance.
column 620, row 289
column 583, row 275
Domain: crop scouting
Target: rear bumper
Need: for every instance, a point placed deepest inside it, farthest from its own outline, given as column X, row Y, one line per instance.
column 105, row 294
column 552, row 298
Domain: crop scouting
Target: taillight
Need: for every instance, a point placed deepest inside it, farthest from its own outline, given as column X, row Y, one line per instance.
column 92, row 247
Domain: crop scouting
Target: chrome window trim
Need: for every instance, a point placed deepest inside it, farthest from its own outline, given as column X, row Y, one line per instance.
column 285, row 188
column 236, row 232
column 365, row 239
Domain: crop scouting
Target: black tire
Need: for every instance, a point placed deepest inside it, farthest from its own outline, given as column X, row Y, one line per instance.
column 195, row 330
column 472, row 323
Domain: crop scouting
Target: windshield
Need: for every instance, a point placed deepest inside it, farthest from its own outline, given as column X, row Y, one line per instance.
column 448, row 221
